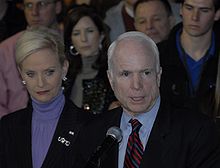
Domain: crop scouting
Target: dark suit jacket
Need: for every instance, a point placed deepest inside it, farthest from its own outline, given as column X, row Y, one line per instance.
column 15, row 138
column 179, row 139
column 176, row 81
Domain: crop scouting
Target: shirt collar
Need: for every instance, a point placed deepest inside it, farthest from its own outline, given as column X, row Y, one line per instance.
column 210, row 52
column 144, row 118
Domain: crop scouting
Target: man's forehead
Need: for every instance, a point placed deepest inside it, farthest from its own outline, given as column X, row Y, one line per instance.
column 200, row 3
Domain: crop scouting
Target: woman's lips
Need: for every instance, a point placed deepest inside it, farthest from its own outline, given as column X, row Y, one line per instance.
column 42, row 92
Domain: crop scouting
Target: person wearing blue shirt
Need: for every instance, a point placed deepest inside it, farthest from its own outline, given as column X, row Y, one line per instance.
column 189, row 56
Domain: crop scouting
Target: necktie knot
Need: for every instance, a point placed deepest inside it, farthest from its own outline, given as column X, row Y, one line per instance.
column 136, row 125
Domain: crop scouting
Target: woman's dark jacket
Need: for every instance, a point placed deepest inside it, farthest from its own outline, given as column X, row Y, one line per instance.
column 15, row 138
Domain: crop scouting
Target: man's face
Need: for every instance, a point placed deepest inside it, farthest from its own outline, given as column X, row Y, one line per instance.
column 41, row 12
column 153, row 22
column 198, row 17
column 134, row 78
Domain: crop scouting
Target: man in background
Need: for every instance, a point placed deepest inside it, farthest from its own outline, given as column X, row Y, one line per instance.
column 154, row 18
column 190, row 55
column 13, row 94
column 120, row 18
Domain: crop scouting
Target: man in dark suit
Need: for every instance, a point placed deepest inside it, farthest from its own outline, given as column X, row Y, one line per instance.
column 165, row 137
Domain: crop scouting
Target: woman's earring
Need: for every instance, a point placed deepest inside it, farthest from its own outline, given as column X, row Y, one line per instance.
column 100, row 41
column 73, row 51
column 100, row 45
column 64, row 78
column 24, row 83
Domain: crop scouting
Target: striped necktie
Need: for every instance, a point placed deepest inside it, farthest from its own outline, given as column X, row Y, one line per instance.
column 135, row 148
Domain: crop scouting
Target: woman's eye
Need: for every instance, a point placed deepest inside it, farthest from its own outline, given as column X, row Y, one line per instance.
column 50, row 72
column 30, row 74
column 75, row 33
column 90, row 30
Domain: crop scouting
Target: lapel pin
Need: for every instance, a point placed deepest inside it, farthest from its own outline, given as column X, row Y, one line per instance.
column 64, row 141
column 71, row 132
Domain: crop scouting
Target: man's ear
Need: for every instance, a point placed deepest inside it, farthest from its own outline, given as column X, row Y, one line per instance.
column 58, row 7
column 217, row 15
column 110, row 79
column 159, row 76
column 181, row 10
column 102, row 36
column 172, row 21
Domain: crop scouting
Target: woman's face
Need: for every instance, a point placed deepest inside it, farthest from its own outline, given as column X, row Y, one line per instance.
column 43, row 74
column 86, row 37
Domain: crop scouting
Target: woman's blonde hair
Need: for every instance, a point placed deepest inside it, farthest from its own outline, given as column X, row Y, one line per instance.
column 38, row 38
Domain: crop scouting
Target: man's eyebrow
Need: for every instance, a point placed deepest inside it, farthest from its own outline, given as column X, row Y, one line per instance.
column 201, row 7
column 146, row 69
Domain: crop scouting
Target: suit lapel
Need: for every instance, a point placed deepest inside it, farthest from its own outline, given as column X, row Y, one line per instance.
column 112, row 161
column 64, row 137
column 157, row 144
column 23, row 139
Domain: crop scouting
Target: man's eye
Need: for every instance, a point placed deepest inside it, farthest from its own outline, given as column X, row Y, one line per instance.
column 157, row 19
column 147, row 73
column 188, row 7
column 125, row 73
column 28, row 5
column 42, row 4
column 205, row 10
column 141, row 21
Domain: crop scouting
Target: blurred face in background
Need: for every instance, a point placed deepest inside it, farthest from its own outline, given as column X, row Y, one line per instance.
column 79, row 2
column 41, row 12
column 198, row 17
column 86, row 37
column 153, row 19
column 43, row 74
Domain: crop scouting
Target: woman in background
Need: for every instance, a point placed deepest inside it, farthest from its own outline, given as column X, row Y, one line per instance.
column 86, row 41
column 43, row 134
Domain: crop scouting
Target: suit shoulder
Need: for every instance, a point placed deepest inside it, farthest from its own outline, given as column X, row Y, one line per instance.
column 106, row 119
column 10, row 41
column 79, row 113
column 192, row 118
column 15, row 116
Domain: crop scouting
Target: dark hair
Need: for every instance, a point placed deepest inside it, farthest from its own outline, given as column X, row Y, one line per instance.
column 164, row 2
column 74, row 15
column 216, row 4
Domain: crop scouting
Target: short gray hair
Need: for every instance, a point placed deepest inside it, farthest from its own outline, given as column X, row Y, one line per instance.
column 134, row 35
column 37, row 38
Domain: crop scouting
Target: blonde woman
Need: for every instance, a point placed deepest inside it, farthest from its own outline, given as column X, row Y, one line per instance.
column 43, row 134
